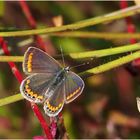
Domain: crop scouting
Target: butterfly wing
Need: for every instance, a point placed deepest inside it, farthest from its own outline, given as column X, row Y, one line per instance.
column 37, row 61
column 74, row 86
column 54, row 104
column 34, row 87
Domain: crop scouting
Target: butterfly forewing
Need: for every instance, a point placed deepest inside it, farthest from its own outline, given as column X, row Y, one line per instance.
column 37, row 61
column 34, row 87
column 48, row 82
column 54, row 104
column 74, row 86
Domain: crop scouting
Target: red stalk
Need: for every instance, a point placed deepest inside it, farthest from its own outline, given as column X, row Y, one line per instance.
column 124, row 80
column 129, row 22
column 19, row 77
column 27, row 13
column 42, row 121
column 11, row 64
column 31, row 22
column 130, row 29
column 42, row 45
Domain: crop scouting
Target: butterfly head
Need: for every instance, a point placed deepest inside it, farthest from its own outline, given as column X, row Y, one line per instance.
column 67, row 69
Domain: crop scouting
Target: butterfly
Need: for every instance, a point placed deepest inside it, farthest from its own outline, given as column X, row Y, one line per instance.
column 49, row 83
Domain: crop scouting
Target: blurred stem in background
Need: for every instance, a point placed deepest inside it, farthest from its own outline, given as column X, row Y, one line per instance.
column 84, row 55
column 86, row 34
column 81, row 24
column 96, row 70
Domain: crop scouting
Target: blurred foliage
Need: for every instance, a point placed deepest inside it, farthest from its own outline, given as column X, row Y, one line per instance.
column 1, row 8
column 107, row 107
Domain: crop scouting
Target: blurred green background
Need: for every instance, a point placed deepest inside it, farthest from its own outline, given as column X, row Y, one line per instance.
column 107, row 107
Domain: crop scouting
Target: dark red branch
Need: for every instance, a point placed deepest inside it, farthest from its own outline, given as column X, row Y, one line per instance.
column 130, row 29
column 42, row 121
column 43, row 46
column 129, row 22
column 12, row 65
column 27, row 13
column 19, row 77
column 32, row 23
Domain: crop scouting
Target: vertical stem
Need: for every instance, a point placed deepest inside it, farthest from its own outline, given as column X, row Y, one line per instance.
column 19, row 77
column 42, row 121
column 42, row 45
column 12, row 65
column 32, row 23
column 130, row 29
column 130, row 26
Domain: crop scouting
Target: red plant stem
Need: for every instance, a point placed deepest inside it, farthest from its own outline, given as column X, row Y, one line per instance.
column 40, row 41
column 19, row 77
column 42, row 45
column 11, row 64
column 42, row 120
column 130, row 29
column 53, row 126
column 27, row 13
column 130, row 25
column 31, row 22
column 124, row 80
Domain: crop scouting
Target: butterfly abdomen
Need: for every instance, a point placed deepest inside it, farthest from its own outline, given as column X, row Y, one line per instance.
column 56, row 82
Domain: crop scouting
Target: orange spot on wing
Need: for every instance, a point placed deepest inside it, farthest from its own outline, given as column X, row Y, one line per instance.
column 60, row 105
column 31, row 93
column 26, row 86
column 29, row 63
column 29, row 69
column 28, row 90
column 35, row 95
column 28, row 81
column 72, row 94
column 53, row 108
column 56, row 108
column 40, row 97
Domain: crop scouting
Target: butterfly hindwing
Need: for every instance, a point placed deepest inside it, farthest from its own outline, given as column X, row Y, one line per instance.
column 74, row 86
column 48, row 82
column 54, row 104
column 34, row 87
column 37, row 61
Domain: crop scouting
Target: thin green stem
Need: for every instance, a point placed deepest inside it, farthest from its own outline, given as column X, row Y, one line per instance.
column 85, row 34
column 96, row 70
column 85, row 23
column 83, row 55
column 103, row 35
column 11, row 99
column 105, row 52
column 112, row 64
column 11, row 58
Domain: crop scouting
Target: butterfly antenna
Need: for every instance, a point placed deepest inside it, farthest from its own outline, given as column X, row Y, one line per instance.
column 85, row 63
column 78, row 65
column 62, row 56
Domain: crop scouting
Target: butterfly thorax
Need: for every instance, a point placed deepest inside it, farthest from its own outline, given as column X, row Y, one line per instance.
column 61, row 75
column 57, row 80
column 66, row 69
